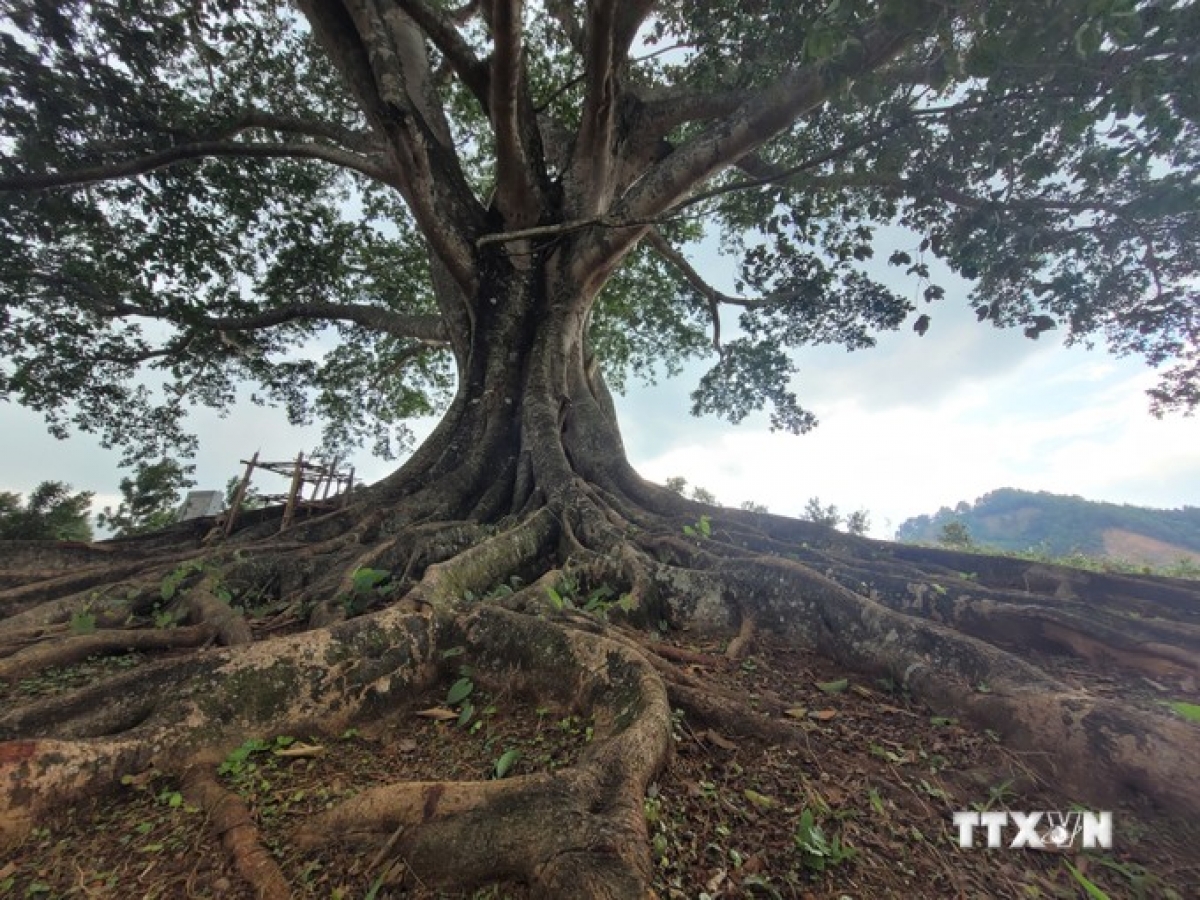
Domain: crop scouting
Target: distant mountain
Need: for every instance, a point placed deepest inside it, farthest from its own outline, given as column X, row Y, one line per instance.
column 1009, row 519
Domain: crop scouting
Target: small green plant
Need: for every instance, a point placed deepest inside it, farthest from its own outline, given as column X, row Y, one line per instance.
column 1089, row 887
column 365, row 586
column 240, row 761
column 163, row 618
column 1189, row 711
column 818, row 851
column 83, row 622
column 998, row 795
column 701, row 529
column 172, row 582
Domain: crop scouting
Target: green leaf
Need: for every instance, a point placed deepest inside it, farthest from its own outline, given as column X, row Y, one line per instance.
column 556, row 599
column 834, row 687
column 83, row 623
column 460, row 691
column 506, row 762
column 465, row 714
column 1189, row 711
column 1086, row 883
column 365, row 580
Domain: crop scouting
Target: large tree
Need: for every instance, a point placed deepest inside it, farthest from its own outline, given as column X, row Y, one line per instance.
column 367, row 209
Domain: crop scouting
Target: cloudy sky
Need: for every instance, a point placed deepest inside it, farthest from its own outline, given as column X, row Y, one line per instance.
column 911, row 425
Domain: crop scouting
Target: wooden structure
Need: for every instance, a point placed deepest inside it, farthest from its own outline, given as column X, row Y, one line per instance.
column 324, row 477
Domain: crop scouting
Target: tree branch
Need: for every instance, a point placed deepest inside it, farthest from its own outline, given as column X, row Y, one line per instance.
column 357, row 141
column 587, row 181
column 440, row 29
column 562, row 11
column 677, row 260
column 715, row 297
column 516, row 188
column 732, row 137
column 395, row 94
column 189, row 152
column 428, row 328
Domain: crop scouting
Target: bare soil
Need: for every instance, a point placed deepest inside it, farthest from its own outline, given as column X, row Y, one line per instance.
column 875, row 772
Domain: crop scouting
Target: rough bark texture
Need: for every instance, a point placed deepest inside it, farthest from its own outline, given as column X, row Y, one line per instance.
column 527, row 477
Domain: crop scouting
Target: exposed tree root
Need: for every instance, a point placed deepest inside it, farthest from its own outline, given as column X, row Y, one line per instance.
column 578, row 832
column 949, row 627
column 69, row 649
column 233, row 822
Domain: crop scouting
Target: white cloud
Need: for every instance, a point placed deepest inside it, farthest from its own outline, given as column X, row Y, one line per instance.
column 1014, row 429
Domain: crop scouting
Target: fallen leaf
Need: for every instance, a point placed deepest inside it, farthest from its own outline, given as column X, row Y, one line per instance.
column 438, row 713
column 834, row 687
column 715, row 882
column 797, row 712
column 300, row 750
column 822, row 715
column 762, row 801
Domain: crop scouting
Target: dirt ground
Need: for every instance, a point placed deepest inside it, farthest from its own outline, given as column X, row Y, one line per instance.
column 851, row 797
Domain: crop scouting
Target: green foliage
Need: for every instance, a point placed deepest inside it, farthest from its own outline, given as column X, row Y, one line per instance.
column 52, row 513
column 240, row 761
column 83, row 622
column 569, row 594
column 149, row 500
column 858, row 522
column 252, row 499
column 1189, row 711
column 1056, row 525
column 460, row 691
column 241, row 225
column 821, row 515
column 957, row 535
column 1086, row 883
column 175, row 579
column 701, row 529
column 818, row 851
column 505, row 763
column 367, row 585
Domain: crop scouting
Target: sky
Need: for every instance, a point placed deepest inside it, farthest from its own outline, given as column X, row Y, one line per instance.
column 911, row 425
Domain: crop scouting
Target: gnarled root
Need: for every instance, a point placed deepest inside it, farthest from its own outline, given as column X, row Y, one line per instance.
column 579, row 832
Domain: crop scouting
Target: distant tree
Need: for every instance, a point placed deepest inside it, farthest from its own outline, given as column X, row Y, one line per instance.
column 679, row 485
column 676, row 484
column 751, row 506
column 956, row 534
column 52, row 513
column 252, row 499
column 822, row 515
column 149, row 499
column 858, row 522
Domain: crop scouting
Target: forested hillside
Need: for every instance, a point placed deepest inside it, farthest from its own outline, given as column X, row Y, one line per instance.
column 1012, row 519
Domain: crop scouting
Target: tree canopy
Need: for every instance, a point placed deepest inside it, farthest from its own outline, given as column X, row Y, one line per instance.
column 149, row 500
column 201, row 196
column 365, row 209
column 51, row 513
